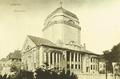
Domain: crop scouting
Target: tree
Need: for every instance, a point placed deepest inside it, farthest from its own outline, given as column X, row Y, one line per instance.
column 23, row 74
column 108, row 60
column 14, row 68
column 112, row 56
column 73, row 76
column 49, row 74
column 39, row 73
column 5, row 76
column 67, row 75
column 1, row 77
column 115, row 53
column 63, row 75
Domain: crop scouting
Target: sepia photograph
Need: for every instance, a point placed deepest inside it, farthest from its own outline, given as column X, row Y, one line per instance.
column 59, row 39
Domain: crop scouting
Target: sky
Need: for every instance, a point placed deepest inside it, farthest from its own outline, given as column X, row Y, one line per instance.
column 99, row 20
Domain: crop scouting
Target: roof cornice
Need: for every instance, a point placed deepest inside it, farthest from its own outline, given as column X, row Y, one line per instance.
column 83, row 52
column 63, row 22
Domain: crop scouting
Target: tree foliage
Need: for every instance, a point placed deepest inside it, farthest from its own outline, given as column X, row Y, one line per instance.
column 112, row 56
column 23, row 74
column 115, row 53
column 40, row 74
column 108, row 60
column 14, row 68
column 3, row 77
column 49, row 74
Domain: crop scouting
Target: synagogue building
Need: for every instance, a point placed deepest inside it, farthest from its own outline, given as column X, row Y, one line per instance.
column 60, row 48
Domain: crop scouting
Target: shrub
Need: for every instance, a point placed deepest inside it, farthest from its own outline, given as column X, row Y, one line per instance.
column 49, row 74
column 5, row 76
column 102, row 72
column 67, row 75
column 23, row 74
column 40, row 74
column 43, row 74
column 1, row 77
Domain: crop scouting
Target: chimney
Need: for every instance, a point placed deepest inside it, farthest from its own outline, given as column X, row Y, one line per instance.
column 84, row 46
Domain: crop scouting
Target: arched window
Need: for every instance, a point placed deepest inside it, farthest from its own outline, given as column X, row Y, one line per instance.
column 72, row 42
column 71, row 22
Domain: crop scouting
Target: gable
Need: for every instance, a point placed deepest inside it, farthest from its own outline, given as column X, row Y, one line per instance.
column 28, row 44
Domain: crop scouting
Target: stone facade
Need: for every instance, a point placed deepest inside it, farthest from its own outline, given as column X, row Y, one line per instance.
column 58, row 58
column 34, row 56
column 60, row 48
column 102, row 64
column 61, row 26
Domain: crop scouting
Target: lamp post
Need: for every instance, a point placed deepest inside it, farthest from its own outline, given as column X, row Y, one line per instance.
column 106, row 68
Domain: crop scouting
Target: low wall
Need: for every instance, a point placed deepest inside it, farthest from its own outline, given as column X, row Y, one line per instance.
column 96, row 76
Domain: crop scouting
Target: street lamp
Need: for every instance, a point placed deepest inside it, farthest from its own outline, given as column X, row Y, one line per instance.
column 106, row 68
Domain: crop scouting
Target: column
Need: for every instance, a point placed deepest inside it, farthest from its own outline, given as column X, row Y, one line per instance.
column 80, row 61
column 45, row 58
column 95, row 63
column 32, row 62
column 53, row 59
column 74, row 62
column 49, row 58
column 59, row 61
column 56, row 60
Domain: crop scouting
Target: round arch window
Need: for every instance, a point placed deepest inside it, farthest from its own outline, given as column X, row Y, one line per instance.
column 71, row 22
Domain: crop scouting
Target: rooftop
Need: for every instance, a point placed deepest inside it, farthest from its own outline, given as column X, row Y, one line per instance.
column 3, row 59
column 41, row 41
column 62, row 10
column 9, row 56
column 16, row 55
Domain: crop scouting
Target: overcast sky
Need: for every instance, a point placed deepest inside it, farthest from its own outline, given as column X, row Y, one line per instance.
column 99, row 20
